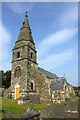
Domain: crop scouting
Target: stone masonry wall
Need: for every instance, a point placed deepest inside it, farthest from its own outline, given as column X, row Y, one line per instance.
column 42, row 86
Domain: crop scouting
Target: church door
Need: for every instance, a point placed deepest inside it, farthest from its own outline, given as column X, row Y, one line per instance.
column 17, row 91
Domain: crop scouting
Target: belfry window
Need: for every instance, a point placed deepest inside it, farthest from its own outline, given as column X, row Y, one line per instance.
column 31, row 55
column 17, row 71
column 18, row 54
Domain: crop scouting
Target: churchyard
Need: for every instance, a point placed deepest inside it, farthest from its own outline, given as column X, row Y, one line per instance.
column 68, row 109
column 11, row 108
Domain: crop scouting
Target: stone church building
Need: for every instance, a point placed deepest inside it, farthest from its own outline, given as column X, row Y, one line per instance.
column 29, row 79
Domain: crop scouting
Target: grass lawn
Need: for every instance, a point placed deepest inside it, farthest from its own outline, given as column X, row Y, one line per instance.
column 74, row 99
column 39, row 107
column 10, row 105
column 62, row 104
column 0, row 108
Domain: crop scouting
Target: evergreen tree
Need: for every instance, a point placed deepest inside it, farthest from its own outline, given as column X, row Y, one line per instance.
column 6, row 79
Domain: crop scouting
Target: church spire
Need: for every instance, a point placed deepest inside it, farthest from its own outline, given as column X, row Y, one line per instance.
column 25, row 31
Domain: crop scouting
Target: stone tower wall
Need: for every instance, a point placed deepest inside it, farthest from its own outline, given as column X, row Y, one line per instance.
column 24, row 59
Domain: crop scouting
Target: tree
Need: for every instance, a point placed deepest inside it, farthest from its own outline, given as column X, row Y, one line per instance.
column 6, row 80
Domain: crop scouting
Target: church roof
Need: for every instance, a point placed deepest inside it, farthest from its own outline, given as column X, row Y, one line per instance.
column 58, row 84
column 48, row 74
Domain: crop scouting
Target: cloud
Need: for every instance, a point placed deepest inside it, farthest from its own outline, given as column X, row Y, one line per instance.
column 20, row 7
column 5, row 40
column 69, row 18
column 67, row 30
column 54, row 39
column 55, row 60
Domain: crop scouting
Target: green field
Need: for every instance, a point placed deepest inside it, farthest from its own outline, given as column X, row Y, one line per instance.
column 10, row 105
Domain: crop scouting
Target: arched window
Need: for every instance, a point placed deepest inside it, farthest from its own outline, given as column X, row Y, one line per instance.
column 31, row 85
column 18, row 71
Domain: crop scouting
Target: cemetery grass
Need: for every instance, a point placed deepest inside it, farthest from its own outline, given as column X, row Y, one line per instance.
column 0, row 108
column 39, row 107
column 10, row 105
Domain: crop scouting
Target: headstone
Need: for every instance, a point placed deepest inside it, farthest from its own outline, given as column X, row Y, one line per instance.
column 20, row 102
column 30, row 107
column 29, row 116
column 8, row 115
column 35, row 99
column 9, row 96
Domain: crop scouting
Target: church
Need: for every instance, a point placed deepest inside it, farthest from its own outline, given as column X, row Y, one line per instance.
column 29, row 79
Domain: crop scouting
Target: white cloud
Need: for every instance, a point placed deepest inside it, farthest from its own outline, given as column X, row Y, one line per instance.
column 67, row 29
column 69, row 18
column 5, row 40
column 57, row 38
column 55, row 60
column 20, row 7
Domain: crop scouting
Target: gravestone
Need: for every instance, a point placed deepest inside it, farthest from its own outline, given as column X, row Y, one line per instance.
column 30, row 108
column 9, row 96
column 8, row 115
column 35, row 99
column 29, row 116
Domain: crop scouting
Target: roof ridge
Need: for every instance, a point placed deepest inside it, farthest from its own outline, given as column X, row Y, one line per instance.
column 47, row 73
column 46, row 70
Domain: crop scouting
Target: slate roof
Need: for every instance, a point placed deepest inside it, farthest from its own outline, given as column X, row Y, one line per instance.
column 48, row 74
column 58, row 84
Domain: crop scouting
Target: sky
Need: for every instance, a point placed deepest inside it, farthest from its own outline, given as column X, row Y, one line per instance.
column 54, row 27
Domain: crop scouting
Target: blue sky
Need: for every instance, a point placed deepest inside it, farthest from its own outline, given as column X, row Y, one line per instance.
column 55, row 32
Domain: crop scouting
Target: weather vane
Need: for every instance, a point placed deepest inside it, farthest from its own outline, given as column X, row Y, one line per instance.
column 26, row 13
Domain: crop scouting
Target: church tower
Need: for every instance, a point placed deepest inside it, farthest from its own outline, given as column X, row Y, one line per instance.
column 23, row 63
